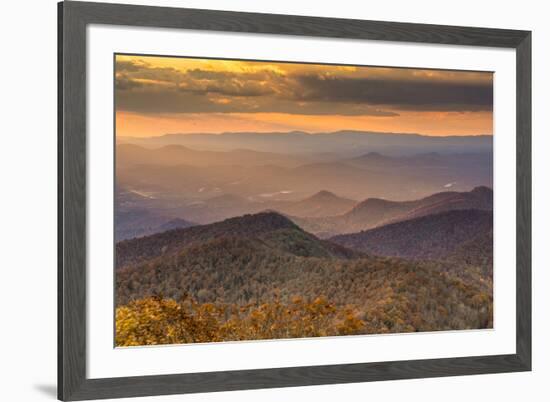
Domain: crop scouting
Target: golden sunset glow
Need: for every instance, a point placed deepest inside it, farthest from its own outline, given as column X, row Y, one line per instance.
column 161, row 95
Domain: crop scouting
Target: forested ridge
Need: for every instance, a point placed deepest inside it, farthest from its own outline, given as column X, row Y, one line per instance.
column 231, row 280
column 375, row 212
column 427, row 237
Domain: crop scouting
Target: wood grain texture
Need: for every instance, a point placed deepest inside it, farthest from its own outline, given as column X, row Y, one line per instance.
column 73, row 19
column 523, row 201
column 293, row 376
column 72, row 286
column 230, row 21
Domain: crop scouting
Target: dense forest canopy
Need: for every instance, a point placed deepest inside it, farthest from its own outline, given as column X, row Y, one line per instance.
column 244, row 270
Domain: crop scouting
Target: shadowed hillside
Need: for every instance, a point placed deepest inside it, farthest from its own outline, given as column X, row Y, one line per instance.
column 323, row 203
column 270, row 229
column 138, row 223
column 375, row 212
column 240, row 272
column 428, row 237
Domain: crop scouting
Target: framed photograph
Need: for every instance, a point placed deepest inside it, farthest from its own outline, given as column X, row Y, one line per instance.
column 257, row 201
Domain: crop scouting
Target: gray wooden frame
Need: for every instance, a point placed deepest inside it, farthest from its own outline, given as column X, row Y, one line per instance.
column 73, row 18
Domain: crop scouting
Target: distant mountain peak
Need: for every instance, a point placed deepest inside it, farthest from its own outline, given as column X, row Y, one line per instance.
column 267, row 220
column 482, row 190
column 324, row 194
column 270, row 229
column 375, row 158
column 375, row 202
column 373, row 155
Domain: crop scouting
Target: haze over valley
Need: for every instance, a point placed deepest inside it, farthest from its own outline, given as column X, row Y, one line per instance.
column 204, row 186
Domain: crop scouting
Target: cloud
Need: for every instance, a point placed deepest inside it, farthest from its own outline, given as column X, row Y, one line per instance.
column 297, row 89
column 407, row 94
column 145, row 100
column 129, row 66
column 123, row 83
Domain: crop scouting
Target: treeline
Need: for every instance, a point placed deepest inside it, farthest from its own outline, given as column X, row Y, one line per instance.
column 389, row 295
column 262, row 277
column 428, row 237
column 274, row 229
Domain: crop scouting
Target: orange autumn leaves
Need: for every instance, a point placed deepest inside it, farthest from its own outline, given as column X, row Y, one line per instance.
column 158, row 321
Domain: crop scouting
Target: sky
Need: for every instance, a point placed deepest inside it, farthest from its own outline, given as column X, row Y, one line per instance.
column 162, row 95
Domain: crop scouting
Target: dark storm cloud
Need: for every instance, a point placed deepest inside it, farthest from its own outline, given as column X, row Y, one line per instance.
column 124, row 83
column 175, row 101
column 227, row 86
column 401, row 94
column 144, row 88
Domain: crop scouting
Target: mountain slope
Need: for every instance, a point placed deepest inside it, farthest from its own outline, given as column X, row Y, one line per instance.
column 375, row 212
column 323, row 203
column 271, row 229
column 475, row 252
column 179, row 172
column 132, row 223
column 173, row 155
column 428, row 237
column 430, row 160
column 388, row 294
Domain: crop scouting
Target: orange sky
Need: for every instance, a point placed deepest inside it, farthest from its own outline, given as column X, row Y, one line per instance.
column 160, row 95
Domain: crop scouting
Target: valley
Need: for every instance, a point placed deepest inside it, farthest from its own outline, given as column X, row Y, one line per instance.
column 235, row 244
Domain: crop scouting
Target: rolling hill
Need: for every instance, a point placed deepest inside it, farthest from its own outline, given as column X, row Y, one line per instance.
column 142, row 222
column 430, row 160
column 375, row 212
column 258, row 260
column 323, row 203
column 428, row 237
column 271, row 229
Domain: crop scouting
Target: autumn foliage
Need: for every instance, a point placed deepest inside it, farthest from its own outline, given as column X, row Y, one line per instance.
column 156, row 321
column 264, row 278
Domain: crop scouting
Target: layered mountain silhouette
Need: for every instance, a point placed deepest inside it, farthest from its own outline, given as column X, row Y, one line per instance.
column 323, row 203
column 375, row 212
column 259, row 258
column 340, row 142
column 173, row 155
column 427, row 237
column 138, row 223
column 390, row 230
column 430, row 160
column 187, row 174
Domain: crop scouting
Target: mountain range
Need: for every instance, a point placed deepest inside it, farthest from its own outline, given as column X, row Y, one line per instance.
column 333, row 143
column 427, row 237
column 173, row 155
column 374, row 212
column 176, row 181
column 270, row 228
column 324, row 213
column 259, row 258
column 382, row 232
column 138, row 223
